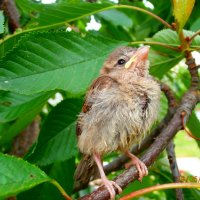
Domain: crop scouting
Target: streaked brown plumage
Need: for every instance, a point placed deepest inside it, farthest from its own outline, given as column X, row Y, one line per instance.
column 119, row 108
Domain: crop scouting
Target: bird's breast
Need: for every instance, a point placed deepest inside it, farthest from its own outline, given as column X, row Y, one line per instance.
column 120, row 115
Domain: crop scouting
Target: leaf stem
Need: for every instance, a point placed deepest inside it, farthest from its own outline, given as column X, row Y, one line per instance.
column 157, row 43
column 185, row 128
column 195, row 34
column 184, row 43
column 160, row 187
column 59, row 187
column 146, row 12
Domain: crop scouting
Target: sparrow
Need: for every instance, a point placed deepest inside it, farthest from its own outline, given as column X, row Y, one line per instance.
column 119, row 109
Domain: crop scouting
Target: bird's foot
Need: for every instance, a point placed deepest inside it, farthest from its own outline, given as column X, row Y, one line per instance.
column 109, row 185
column 141, row 167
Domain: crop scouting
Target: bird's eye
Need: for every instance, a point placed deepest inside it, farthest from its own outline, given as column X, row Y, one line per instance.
column 121, row 61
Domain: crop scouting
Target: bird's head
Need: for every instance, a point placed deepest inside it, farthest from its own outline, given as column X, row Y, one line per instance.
column 125, row 59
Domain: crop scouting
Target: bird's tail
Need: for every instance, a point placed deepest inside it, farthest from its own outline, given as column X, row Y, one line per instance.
column 86, row 170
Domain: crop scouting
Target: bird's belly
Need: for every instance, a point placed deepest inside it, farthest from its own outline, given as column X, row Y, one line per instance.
column 116, row 121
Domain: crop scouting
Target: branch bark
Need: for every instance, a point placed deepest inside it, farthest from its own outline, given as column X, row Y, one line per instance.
column 12, row 13
column 26, row 139
column 174, row 169
column 193, row 69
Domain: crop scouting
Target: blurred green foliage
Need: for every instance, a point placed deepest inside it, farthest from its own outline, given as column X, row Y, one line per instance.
column 54, row 52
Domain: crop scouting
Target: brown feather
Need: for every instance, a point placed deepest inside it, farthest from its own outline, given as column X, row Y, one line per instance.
column 87, row 168
column 99, row 84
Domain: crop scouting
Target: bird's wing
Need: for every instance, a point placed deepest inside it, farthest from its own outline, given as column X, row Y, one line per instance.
column 98, row 84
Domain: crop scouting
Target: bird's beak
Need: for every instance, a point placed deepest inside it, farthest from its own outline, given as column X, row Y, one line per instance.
column 139, row 56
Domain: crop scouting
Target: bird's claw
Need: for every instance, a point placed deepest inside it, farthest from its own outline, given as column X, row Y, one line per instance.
column 141, row 167
column 109, row 185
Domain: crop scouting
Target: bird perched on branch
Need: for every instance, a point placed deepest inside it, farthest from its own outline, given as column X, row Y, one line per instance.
column 119, row 109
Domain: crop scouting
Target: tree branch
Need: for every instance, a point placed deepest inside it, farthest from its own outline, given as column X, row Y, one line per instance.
column 193, row 69
column 12, row 13
column 174, row 168
column 25, row 139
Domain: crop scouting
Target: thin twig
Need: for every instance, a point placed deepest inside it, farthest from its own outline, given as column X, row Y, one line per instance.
column 146, row 12
column 159, row 44
column 185, row 128
column 174, row 168
column 193, row 69
column 61, row 190
column 172, row 102
column 74, row 28
column 160, row 187
column 192, row 38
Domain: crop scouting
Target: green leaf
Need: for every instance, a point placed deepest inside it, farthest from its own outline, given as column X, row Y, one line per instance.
column 182, row 11
column 23, row 109
column 194, row 126
column 59, row 13
column 8, row 43
column 1, row 22
column 115, row 32
column 13, row 105
column 117, row 18
column 49, row 16
column 171, row 38
column 11, row 129
column 62, row 172
column 160, row 64
column 65, row 177
column 195, row 25
column 56, row 60
column 191, row 194
column 57, row 139
column 18, row 175
column 163, row 59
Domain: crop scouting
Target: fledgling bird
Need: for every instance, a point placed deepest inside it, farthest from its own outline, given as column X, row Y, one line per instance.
column 119, row 109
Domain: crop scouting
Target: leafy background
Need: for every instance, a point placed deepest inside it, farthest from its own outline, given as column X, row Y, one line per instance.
column 54, row 54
